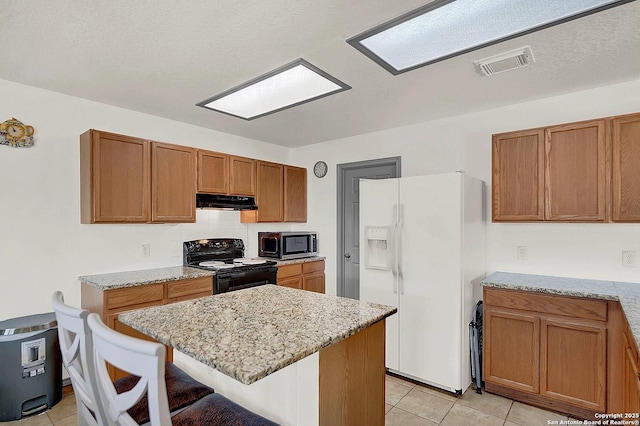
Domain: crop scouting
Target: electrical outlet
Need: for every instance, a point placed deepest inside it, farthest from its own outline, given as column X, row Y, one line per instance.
column 629, row 258
column 522, row 253
column 146, row 250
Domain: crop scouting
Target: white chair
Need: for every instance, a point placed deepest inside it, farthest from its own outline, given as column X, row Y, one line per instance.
column 77, row 356
column 76, row 345
column 146, row 359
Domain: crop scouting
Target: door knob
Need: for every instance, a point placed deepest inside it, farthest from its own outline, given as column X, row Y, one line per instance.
column 347, row 255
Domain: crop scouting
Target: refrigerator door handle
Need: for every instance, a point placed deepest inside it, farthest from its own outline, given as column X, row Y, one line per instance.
column 400, row 228
column 394, row 264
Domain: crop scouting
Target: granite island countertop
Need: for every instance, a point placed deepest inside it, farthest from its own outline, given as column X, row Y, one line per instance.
column 143, row 277
column 628, row 294
column 251, row 333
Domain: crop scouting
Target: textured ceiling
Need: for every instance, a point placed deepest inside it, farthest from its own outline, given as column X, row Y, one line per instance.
column 161, row 57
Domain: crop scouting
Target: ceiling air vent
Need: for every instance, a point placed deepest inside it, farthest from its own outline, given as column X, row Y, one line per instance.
column 505, row 61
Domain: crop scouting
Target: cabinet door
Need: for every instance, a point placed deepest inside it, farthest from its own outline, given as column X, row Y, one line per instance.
column 173, row 183
column 213, row 172
column 518, row 176
column 295, row 194
column 313, row 282
column 511, row 349
column 242, row 176
column 114, row 178
column 626, row 163
column 576, row 172
column 270, row 195
column 631, row 377
column 292, row 282
column 573, row 362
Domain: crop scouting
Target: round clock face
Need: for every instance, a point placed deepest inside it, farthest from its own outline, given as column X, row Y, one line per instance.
column 320, row 169
column 15, row 131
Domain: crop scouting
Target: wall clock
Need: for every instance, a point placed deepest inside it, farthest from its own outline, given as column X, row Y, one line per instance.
column 320, row 169
column 14, row 133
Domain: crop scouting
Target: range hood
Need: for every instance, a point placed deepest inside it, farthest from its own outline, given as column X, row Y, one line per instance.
column 225, row 202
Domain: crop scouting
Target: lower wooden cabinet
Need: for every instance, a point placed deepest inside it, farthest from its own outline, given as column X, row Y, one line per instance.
column 547, row 350
column 110, row 303
column 305, row 276
column 630, row 374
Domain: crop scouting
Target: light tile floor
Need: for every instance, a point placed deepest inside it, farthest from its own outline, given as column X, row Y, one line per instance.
column 407, row 404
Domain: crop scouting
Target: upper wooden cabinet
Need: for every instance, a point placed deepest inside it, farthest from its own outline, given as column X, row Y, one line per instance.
column 281, row 194
column 213, row 172
column 173, row 183
column 559, row 173
column 242, row 179
column 575, row 167
column 295, row 194
column 518, row 175
column 220, row 173
column 114, row 178
column 131, row 180
column 626, row 164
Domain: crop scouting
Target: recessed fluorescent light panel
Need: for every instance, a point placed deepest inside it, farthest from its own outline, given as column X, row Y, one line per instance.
column 290, row 85
column 446, row 28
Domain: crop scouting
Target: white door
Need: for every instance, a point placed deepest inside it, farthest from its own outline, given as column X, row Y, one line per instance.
column 430, row 279
column 378, row 201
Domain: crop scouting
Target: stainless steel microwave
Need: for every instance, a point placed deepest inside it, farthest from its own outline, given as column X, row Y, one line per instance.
column 287, row 245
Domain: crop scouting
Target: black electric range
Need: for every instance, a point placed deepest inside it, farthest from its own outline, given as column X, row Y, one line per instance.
column 225, row 256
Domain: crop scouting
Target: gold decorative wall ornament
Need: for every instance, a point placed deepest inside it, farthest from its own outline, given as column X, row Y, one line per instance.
column 16, row 134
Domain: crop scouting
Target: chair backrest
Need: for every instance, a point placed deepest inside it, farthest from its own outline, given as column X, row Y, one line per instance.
column 138, row 357
column 77, row 355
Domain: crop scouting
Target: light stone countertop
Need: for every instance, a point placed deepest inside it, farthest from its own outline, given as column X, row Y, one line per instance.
column 628, row 294
column 143, row 277
column 251, row 333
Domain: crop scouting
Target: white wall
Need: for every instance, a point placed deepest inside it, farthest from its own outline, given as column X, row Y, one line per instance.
column 464, row 142
column 43, row 246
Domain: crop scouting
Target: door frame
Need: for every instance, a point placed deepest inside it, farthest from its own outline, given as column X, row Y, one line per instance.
column 341, row 171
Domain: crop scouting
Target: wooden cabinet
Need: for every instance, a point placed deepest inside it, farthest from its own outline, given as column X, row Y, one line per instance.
column 518, row 176
column 305, row 275
column 313, row 276
column 558, row 173
column 625, row 165
column 213, row 172
column 110, row 303
column 220, row 173
column 114, row 178
column 575, row 172
column 173, row 183
column 131, row 180
column 281, row 194
column 511, row 343
column 242, row 180
column 290, row 275
column 547, row 350
column 295, row 194
column 631, row 373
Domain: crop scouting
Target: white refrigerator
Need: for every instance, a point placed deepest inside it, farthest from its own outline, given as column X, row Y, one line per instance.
column 422, row 245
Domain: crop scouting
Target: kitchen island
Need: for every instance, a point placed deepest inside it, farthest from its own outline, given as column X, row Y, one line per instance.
column 296, row 357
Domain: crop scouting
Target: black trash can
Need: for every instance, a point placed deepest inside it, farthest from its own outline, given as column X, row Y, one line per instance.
column 30, row 366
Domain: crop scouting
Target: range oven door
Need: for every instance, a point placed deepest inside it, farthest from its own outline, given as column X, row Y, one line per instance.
column 223, row 283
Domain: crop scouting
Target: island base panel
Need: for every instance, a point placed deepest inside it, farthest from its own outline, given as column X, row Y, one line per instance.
column 352, row 379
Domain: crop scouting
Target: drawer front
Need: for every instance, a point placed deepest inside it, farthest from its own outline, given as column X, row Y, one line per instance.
column 194, row 286
column 550, row 304
column 289, row 270
column 129, row 296
column 309, row 267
